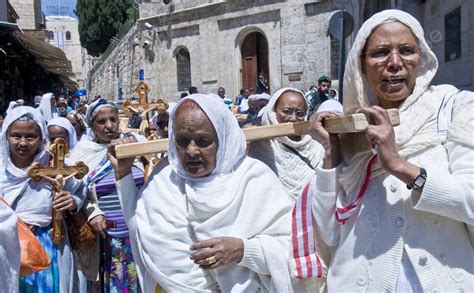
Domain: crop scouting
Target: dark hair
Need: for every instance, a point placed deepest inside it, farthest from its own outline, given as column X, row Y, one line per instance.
column 193, row 90
column 184, row 94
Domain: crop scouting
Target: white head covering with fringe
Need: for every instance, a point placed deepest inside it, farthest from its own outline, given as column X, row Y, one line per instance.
column 417, row 129
column 276, row 153
column 66, row 124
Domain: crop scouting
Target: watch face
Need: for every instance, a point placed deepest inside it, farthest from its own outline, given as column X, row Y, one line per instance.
column 419, row 182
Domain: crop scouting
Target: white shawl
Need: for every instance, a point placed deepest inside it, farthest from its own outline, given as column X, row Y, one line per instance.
column 293, row 172
column 9, row 250
column 417, row 129
column 241, row 198
column 34, row 206
column 66, row 124
column 46, row 109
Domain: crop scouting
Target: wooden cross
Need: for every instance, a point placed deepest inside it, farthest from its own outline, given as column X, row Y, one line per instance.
column 143, row 109
column 346, row 124
column 57, row 174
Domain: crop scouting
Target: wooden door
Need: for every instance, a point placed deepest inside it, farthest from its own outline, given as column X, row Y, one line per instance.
column 254, row 60
column 249, row 61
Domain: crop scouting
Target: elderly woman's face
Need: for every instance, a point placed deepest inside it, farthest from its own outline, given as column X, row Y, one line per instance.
column 390, row 63
column 196, row 142
column 105, row 125
column 290, row 107
column 76, row 124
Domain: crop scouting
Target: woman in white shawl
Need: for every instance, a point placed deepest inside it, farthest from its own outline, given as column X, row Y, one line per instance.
column 47, row 107
column 211, row 219
column 60, row 127
column 293, row 159
column 102, row 205
column 24, row 139
column 408, row 211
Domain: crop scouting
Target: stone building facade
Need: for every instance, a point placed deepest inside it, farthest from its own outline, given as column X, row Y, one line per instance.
column 212, row 43
column 62, row 32
column 29, row 12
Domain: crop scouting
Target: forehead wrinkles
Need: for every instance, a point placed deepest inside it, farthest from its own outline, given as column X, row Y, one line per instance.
column 193, row 118
column 389, row 34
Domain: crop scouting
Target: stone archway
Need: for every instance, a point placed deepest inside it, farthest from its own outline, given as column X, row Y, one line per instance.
column 254, row 53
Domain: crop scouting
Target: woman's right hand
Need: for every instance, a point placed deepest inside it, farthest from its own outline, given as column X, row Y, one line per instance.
column 98, row 224
column 330, row 142
column 122, row 167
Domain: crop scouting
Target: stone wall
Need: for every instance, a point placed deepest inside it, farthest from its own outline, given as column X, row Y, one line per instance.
column 29, row 12
column 296, row 32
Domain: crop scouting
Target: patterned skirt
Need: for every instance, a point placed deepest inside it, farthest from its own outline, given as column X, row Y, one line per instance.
column 120, row 270
column 46, row 280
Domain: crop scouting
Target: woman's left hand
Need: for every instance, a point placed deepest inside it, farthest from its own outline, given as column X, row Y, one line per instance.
column 63, row 201
column 381, row 136
column 216, row 252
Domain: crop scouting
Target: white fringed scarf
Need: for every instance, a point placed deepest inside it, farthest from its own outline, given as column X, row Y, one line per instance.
column 293, row 172
column 240, row 198
column 417, row 129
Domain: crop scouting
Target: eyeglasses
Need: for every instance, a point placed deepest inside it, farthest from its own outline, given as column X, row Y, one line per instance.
column 289, row 112
column 408, row 54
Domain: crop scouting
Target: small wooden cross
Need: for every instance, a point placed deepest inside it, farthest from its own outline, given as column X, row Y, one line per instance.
column 143, row 109
column 57, row 174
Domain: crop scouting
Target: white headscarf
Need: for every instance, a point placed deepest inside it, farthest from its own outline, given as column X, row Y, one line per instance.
column 11, row 106
column 45, row 107
column 276, row 153
column 93, row 109
column 66, row 124
column 225, row 203
column 232, row 143
column 34, row 207
column 417, row 129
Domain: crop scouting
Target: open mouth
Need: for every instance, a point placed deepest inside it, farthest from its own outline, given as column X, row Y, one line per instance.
column 394, row 80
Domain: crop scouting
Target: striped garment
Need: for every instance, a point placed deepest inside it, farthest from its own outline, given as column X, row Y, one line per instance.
column 109, row 202
column 306, row 262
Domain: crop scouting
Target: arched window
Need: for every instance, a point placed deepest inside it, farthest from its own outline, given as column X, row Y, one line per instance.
column 50, row 35
column 68, row 36
column 183, row 70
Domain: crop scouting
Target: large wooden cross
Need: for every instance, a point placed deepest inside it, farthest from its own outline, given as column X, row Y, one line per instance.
column 346, row 124
column 57, row 174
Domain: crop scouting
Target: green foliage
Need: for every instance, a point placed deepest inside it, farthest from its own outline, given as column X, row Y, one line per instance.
column 100, row 20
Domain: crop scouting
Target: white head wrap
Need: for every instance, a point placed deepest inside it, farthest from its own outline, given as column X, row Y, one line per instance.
column 11, row 106
column 232, row 142
column 294, row 173
column 64, row 123
column 331, row 106
column 417, row 129
column 35, row 209
column 45, row 107
column 96, row 106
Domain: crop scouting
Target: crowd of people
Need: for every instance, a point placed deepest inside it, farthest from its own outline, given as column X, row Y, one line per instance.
column 388, row 209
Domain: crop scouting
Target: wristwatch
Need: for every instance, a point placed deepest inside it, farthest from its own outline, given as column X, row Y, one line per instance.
column 419, row 181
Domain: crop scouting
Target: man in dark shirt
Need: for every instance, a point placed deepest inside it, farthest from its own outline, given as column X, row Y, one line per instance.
column 321, row 95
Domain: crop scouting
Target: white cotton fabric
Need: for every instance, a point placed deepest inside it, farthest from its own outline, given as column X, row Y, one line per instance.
column 331, row 106
column 66, row 124
column 46, row 109
column 434, row 227
column 417, row 112
column 11, row 106
column 293, row 172
column 34, row 207
column 241, row 198
column 9, row 250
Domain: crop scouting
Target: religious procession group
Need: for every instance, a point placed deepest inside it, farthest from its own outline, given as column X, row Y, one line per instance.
column 387, row 209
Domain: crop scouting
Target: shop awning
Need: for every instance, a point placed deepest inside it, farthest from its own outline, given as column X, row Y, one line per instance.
column 50, row 58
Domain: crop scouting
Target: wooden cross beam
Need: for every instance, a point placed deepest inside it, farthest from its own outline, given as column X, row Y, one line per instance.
column 57, row 174
column 346, row 124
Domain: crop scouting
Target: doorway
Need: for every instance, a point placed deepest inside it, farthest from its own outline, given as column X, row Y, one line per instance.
column 254, row 52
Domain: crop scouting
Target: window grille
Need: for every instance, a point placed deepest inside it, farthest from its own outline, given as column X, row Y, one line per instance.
column 183, row 63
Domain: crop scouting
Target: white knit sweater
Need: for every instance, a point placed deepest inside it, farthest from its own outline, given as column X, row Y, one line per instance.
column 435, row 228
